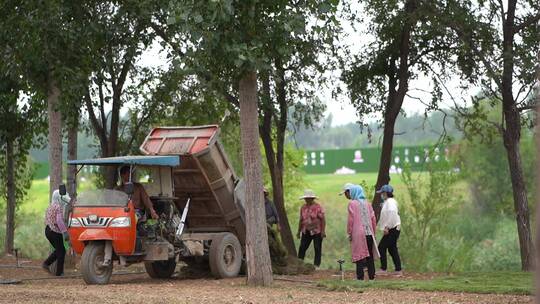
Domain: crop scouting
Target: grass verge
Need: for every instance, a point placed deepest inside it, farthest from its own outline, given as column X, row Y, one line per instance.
column 517, row 283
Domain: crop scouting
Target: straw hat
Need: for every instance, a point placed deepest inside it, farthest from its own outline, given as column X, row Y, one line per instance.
column 308, row 193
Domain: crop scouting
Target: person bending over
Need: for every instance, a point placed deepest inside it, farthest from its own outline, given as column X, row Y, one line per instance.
column 56, row 232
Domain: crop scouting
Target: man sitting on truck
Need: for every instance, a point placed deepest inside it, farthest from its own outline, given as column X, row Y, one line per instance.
column 140, row 198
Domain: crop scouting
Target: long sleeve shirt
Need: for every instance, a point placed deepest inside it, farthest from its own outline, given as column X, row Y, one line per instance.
column 271, row 212
column 359, row 226
column 389, row 218
column 54, row 218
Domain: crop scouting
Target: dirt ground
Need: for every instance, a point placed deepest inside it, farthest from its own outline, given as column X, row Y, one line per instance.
column 39, row 287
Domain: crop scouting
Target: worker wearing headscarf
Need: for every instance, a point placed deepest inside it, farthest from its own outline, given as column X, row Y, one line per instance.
column 361, row 227
column 56, row 232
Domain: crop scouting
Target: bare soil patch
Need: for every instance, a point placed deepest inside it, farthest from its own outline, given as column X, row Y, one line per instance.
column 139, row 288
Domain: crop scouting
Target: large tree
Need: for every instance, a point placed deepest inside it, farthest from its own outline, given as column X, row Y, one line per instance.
column 292, row 64
column 20, row 122
column 500, row 40
column 410, row 45
column 118, row 80
column 299, row 54
column 48, row 40
column 229, row 40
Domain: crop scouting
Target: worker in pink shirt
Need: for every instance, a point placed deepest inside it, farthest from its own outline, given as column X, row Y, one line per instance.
column 311, row 227
column 56, row 233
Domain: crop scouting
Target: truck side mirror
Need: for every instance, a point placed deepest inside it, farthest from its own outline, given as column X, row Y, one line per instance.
column 62, row 189
column 129, row 188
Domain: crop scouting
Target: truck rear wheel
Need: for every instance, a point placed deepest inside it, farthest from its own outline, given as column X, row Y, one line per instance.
column 160, row 269
column 92, row 267
column 225, row 256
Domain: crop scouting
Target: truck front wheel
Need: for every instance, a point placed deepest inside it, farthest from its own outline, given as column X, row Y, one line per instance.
column 225, row 256
column 93, row 270
column 160, row 269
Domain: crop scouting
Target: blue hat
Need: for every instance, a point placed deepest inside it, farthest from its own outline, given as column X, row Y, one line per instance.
column 386, row 188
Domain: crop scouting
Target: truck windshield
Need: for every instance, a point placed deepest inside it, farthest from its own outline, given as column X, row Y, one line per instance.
column 102, row 197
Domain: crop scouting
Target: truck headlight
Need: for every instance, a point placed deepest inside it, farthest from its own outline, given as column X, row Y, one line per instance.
column 74, row 222
column 120, row 222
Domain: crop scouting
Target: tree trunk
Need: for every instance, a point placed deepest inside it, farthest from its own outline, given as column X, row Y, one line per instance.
column 276, row 171
column 511, row 139
column 276, row 175
column 399, row 77
column 277, row 182
column 10, row 215
column 73, row 131
column 111, row 174
column 54, row 137
column 257, row 254
column 521, row 203
column 537, row 179
column 383, row 177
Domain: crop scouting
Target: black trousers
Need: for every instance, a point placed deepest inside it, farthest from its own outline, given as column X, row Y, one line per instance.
column 305, row 241
column 366, row 262
column 389, row 242
column 59, row 253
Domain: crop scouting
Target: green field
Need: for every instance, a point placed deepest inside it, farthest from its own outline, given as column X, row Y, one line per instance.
column 37, row 199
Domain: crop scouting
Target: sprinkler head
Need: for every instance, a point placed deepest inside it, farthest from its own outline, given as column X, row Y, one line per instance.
column 340, row 262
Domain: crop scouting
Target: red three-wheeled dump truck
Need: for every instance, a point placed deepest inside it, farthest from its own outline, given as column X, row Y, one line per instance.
column 196, row 194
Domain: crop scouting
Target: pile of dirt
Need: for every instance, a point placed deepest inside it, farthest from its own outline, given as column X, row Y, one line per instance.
column 282, row 262
column 294, row 266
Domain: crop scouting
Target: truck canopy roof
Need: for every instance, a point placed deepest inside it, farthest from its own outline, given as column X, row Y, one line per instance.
column 165, row 160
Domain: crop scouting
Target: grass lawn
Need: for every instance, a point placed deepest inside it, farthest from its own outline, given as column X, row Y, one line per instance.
column 519, row 283
column 37, row 199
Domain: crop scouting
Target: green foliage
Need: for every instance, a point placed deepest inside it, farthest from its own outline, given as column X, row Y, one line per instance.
column 519, row 283
column 231, row 37
column 484, row 49
column 482, row 158
column 293, row 175
column 423, row 215
column 20, row 123
column 410, row 44
column 501, row 251
column 485, row 167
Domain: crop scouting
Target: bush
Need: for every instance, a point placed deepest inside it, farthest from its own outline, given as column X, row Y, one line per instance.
column 29, row 236
column 501, row 252
column 424, row 216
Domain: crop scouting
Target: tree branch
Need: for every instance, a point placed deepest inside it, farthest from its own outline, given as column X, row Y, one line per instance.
column 92, row 116
column 163, row 35
column 101, row 104
column 526, row 23
column 468, row 39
